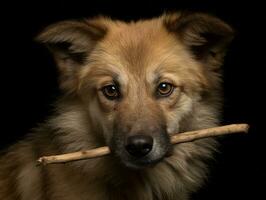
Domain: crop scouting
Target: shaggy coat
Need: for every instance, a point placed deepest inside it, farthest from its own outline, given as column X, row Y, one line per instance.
column 185, row 50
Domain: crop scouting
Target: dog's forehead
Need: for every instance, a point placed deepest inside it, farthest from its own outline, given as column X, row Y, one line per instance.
column 139, row 45
column 140, row 52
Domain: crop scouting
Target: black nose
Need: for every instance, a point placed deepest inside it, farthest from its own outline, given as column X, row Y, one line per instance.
column 139, row 145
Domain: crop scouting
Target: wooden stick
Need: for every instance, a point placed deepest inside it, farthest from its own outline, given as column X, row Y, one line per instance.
column 175, row 139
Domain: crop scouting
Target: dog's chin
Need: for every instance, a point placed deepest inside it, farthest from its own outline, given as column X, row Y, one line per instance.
column 141, row 163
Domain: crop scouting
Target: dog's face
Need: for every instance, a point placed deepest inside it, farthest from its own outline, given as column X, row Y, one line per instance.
column 139, row 80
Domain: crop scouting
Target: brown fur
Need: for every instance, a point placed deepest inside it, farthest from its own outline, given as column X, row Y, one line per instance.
column 184, row 49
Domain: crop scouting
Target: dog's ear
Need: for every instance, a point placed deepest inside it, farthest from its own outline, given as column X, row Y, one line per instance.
column 71, row 42
column 205, row 36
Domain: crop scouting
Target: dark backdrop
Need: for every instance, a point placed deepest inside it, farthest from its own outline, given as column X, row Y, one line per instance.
column 29, row 81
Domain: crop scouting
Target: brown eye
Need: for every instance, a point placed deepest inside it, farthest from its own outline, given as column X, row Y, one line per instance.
column 111, row 92
column 165, row 89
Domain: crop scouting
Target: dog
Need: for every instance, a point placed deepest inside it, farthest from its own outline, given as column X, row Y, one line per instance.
column 130, row 86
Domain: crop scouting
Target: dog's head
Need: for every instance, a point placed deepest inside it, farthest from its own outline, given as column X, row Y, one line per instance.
column 139, row 80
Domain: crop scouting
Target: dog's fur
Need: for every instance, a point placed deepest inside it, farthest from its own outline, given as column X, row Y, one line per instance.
column 186, row 49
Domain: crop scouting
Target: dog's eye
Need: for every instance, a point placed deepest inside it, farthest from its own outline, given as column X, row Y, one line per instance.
column 165, row 89
column 111, row 92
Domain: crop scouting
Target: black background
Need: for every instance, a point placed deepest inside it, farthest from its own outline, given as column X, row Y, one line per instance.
column 29, row 84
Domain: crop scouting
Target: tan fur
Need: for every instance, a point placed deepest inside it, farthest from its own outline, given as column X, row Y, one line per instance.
column 93, row 53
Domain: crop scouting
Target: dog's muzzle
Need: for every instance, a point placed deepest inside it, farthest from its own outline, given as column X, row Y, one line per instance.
column 138, row 150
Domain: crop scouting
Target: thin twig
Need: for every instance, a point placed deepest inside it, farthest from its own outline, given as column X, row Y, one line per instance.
column 175, row 139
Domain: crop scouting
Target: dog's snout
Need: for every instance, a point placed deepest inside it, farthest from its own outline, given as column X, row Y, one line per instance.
column 139, row 145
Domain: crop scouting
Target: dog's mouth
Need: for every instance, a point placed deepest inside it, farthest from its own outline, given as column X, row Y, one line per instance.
column 139, row 161
column 141, row 150
column 145, row 162
column 141, row 164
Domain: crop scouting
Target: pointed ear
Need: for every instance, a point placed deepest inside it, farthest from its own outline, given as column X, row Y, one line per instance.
column 71, row 42
column 207, row 37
